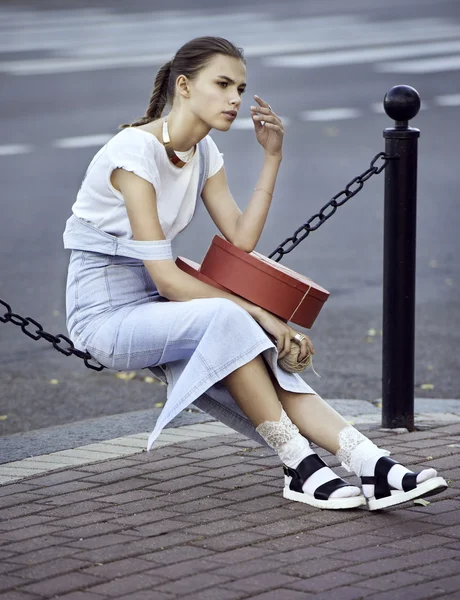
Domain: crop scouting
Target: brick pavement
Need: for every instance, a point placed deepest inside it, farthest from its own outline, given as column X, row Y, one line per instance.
column 205, row 520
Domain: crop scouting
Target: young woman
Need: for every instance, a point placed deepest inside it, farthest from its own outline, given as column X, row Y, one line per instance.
column 131, row 307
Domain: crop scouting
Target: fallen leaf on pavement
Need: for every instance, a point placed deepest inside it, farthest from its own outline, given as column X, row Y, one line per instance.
column 422, row 502
column 54, row 381
column 427, row 386
column 126, row 375
column 3, row 417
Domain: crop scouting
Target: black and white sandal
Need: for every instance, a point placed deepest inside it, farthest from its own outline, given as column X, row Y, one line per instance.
column 385, row 495
column 295, row 478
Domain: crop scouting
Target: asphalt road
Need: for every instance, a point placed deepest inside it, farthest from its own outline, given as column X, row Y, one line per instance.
column 70, row 72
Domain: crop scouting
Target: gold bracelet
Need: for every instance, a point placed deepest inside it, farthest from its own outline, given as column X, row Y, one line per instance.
column 262, row 190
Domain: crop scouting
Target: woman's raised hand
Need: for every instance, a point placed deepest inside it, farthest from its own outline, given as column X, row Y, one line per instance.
column 268, row 126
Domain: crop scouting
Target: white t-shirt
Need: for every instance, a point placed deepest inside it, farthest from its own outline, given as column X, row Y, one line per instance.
column 138, row 151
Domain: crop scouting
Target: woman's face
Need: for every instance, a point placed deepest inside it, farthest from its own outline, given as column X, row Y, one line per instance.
column 218, row 89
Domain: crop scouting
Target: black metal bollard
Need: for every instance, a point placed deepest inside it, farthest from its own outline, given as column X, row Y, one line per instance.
column 401, row 103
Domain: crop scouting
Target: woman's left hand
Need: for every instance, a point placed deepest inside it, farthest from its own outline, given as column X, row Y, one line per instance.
column 270, row 133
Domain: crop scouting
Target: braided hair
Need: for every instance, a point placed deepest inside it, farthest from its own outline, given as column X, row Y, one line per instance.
column 189, row 60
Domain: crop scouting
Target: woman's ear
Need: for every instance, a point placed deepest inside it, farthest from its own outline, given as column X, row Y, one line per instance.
column 183, row 86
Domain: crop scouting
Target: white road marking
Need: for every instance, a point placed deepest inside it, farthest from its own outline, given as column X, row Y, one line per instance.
column 428, row 65
column 447, row 100
column 84, row 141
column 247, row 123
column 366, row 55
column 10, row 149
column 330, row 114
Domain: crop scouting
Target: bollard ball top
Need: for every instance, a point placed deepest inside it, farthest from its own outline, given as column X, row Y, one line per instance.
column 402, row 103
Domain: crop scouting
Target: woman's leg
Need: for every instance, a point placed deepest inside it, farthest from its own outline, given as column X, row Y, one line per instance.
column 385, row 482
column 252, row 389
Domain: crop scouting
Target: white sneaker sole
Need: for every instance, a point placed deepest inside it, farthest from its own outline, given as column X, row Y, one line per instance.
column 427, row 488
column 332, row 503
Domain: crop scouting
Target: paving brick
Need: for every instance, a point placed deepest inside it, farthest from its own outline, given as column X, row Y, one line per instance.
column 263, row 503
column 443, row 519
column 248, row 568
column 440, row 506
column 219, row 526
column 348, row 593
column 292, row 542
column 440, row 569
column 154, row 529
column 202, row 503
column 132, row 496
column 8, row 582
column 54, row 479
column 205, row 516
column 118, row 568
column 144, row 518
column 91, row 530
column 239, row 555
column 209, row 453
column 80, row 596
column 247, row 479
column 188, row 495
column 146, row 595
column 260, row 582
column 16, row 595
column 188, row 482
column 44, row 570
column 284, row 594
column 62, row 584
column 29, row 532
column 314, row 566
column 101, row 541
column 248, row 494
column 232, row 539
column 193, row 583
column 21, row 498
column 67, row 487
column 139, row 547
column 126, row 585
column 20, row 522
column 23, row 510
column 328, row 581
column 397, row 580
column 215, row 593
column 415, row 559
column 85, row 519
column 175, row 472
column 362, row 555
column 271, row 515
column 14, row 488
column 281, row 528
column 185, row 569
column 35, row 546
column 299, row 554
column 177, row 554
column 71, row 510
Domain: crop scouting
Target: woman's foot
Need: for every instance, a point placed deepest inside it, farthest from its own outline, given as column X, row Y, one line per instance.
column 313, row 482
column 389, row 483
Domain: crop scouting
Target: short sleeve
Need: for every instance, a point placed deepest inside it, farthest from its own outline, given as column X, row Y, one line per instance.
column 133, row 151
column 216, row 158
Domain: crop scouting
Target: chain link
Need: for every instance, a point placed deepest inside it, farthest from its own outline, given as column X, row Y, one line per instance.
column 326, row 212
column 39, row 333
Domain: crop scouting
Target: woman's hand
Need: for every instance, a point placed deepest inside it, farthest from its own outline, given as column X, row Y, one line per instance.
column 270, row 133
column 283, row 335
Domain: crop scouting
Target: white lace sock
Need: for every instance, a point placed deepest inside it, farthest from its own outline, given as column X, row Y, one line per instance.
column 360, row 455
column 284, row 437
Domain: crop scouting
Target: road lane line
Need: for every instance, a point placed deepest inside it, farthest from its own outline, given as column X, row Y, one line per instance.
column 429, row 65
column 11, row 149
column 447, row 100
column 330, row 114
column 84, row 141
column 366, row 55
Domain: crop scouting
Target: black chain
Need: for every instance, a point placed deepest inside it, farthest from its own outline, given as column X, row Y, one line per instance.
column 39, row 333
column 351, row 189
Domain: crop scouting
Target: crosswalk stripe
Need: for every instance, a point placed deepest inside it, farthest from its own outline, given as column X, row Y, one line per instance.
column 448, row 100
column 330, row 114
column 84, row 141
column 11, row 149
column 328, row 59
column 428, row 65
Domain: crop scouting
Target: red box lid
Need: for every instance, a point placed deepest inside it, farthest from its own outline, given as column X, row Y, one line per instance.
column 272, row 268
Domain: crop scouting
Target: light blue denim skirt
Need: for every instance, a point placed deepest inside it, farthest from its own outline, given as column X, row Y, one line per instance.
column 115, row 312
